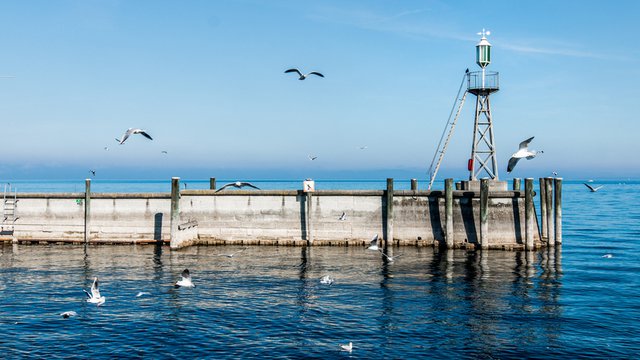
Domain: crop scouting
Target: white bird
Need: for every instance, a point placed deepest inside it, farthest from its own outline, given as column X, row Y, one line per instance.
column 523, row 152
column 95, row 297
column 326, row 280
column 391, row 258
column 131, row 131
column 343, row 217
column 607, row 256
column 185, row 280
column 303, row 76
column 348, row 347
column 233, row 253
column 68, row 314
column 142, row 293
column 373, row 244
column 238, row 184
column 592, row 188
column 312, row 157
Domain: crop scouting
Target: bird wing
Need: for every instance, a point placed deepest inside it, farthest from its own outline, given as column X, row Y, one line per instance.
column 315, row 73
column 589, row 186
column 249, row 185
column 293, row 70
column 374, row 240
column 86, row 292
column 225, row 186
column 512, row 163
column 524, row 144
column 141, row 132
column 95, row 290
column 598, row 187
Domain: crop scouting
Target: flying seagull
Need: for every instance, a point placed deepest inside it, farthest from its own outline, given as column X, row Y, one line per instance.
column 326, row 280
column 391, row 258
column 303, row 76
column 348, row 347
column 523, row 152
column 185, row 280
column 131, row 131
column 373, row 244
column 93, row 172
column 593, row 188
column 312, row 157
column 238, row 184
column 95, row 297
column 68, row 314
column 234, row 253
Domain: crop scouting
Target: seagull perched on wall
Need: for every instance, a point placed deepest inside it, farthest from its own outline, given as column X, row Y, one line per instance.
column 95, row 297
column 523, row 152
column 593, row 188
column 303, row 76
column 185, row 279
column 239, row 185
column 132, row 131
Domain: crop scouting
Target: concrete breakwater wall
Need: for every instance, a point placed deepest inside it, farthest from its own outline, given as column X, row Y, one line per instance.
column 274, row 217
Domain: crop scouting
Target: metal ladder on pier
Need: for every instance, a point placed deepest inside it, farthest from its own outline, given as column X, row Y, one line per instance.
column 10, row 202
column 448, row 130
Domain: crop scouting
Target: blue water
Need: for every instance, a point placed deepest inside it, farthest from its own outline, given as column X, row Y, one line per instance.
column 267, row 302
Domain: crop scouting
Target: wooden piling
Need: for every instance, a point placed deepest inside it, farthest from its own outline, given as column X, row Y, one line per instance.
column 87, row 210
column 414, row 184
column 448, row 209
column 558, row 210
column 458, row 186
column 551, row 236
column 175, row 210
column 529, row 214
column 516, row 184
column 389, row 197
column 484, row 213
column 543, row 208
column 212, row 183
column 308, row 201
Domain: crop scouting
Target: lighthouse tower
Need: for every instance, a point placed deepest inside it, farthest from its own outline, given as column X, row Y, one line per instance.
column 482, row 84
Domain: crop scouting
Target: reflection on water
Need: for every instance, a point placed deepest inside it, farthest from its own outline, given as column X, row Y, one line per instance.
column 427, row 302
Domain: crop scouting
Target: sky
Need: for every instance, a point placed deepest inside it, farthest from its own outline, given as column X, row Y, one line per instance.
column 206, row 80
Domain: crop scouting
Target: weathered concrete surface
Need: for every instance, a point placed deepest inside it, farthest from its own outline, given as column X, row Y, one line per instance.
column 273, row 217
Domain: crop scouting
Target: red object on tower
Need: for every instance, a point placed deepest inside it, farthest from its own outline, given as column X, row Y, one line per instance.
column 470, row 165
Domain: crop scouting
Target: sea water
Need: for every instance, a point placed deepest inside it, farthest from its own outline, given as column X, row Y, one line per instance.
column 267, row 302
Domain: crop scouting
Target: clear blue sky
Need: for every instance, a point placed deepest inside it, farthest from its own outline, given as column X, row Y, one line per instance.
column 205, row 79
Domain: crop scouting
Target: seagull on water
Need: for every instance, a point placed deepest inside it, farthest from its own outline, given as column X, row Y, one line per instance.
column 593, row 188
column 523, row 152
column 348, row 347
column 68, row 314
column 303, row 76
column 95, row 297
column 326, row 280
column 185, row 280
column 343, row 217
column 132, row 131
column 607, row 256
column 238, row 184
column 234, row 253
column 373, row 244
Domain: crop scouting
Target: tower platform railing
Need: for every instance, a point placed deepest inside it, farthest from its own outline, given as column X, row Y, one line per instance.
column 476, row 86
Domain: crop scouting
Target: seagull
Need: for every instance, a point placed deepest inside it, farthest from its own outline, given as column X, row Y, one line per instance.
column 130, row 132
column 554, row 173
column 95, row 297
column 347, row 347
column 373, row 245
column 234, row 253
column 164, row 151
column 303, row 76
column 523, row 152
column 593, row 188
column 142, row 293
column 326, row 280
column 185, row 281
column 312, row 157
column 93, row 172
column 363, row 147
column 391, row 258
column 238, row 184
column 343, row 217
column 106, row 148
column 607, row 256
column 68, row 314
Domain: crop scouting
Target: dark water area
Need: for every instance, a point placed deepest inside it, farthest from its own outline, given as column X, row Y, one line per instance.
column 268, row 302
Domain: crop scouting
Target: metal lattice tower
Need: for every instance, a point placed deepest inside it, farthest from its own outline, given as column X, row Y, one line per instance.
column 482, row 84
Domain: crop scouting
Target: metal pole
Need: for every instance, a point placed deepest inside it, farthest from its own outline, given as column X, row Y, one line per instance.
column 389, row 197
column 175, row 210
column 448, row 206
column 551, row 239
column 484, row 213
column 87, row 210
column 529, row 214
column 543, row 207
column 558, row 210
